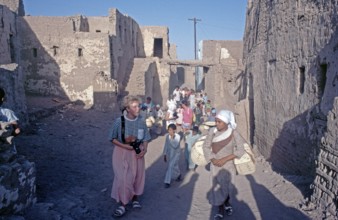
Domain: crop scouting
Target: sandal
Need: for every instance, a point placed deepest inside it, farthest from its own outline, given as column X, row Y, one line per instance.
column 119, row 211
column 218, row 216
column 228, row 210
column 136, row 205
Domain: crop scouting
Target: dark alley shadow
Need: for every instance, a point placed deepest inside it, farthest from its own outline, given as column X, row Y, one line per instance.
column 296, row 149
column 240, row 209
column 245, row 90
column 269, row 206
column 294, row 156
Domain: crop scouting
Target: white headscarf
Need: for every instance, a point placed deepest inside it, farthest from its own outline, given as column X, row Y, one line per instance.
column 227, row 117
column 171, row 105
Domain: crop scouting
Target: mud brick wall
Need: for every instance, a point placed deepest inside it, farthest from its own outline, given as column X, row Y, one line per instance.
column 15, row 6
column 326, row 182
column 290, row 53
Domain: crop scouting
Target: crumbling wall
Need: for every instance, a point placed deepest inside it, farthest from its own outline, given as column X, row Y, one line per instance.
column 99, row 25
column 220, row 79
column 105, row 92
column 326, row 182
column 17, row 175
column 15, row 6
column 149, row 78
column 11, row 80
column 8, row 36
column 126, row 43
column 172, row 51
column 11, row 77
column 290, row 60
column 189, row 77
column 59, row 61
column 51, row 48
column 150, row 34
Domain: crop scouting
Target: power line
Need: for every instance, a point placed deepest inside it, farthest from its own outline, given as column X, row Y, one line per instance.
column 220, row 27
column 195, row 22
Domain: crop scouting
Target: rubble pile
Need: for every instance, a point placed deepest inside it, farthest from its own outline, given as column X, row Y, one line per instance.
column 17, row 175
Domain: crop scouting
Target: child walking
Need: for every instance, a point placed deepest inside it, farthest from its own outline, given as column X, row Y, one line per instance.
column 171, row 154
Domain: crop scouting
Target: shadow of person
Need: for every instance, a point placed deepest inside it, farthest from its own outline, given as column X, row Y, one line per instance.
column 270, row 207
column 218, row 194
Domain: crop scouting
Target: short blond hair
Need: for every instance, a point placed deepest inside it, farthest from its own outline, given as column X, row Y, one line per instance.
column 127, row 100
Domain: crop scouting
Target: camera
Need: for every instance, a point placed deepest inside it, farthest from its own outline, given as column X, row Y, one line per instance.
column 136, row 145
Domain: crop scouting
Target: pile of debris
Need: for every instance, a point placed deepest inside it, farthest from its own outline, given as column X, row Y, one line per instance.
column 17, row 175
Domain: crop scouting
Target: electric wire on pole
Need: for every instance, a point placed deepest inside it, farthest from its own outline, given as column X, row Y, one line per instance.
column 195, row 20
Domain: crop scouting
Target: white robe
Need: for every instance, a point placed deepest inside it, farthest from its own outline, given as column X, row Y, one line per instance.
column 172, row 151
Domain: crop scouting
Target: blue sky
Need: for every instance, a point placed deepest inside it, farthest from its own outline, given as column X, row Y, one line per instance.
column 221, row 19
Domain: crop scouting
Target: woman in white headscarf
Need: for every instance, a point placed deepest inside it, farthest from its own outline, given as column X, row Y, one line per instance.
column 221, row 147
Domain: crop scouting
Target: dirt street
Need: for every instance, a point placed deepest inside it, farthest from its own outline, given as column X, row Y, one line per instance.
column 74, row 177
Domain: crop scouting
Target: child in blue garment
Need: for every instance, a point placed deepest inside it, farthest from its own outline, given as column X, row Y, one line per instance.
column 171, row 154
column 8, row 117
column 191, row 138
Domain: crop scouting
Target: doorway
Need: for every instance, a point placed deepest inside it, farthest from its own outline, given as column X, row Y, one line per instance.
column 158, row 47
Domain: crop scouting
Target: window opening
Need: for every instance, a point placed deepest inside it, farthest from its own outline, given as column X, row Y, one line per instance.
column 11, row 48
column 120, row 32
column 35, row 52
column 125, row 35
column 301, row 79
column 80, row 52
column 322, row 79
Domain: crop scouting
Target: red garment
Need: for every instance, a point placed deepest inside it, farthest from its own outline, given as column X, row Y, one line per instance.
column 187, row 115
column 129, row 175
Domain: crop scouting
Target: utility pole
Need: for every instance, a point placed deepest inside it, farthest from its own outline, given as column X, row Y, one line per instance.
column 197, row 77
column 195, row 20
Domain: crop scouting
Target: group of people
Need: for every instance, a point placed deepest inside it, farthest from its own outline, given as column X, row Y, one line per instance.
column 187, row 108
column 130, row 137
column 129, row 133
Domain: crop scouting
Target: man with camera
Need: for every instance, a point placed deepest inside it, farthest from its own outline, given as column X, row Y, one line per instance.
column 130, row 138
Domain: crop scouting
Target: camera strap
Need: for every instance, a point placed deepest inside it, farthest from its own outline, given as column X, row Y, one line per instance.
column 122, row 129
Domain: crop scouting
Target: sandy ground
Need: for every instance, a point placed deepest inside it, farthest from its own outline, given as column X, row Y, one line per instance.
column 74, row 177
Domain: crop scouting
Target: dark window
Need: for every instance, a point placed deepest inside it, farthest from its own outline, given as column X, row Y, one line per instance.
column 125, row 35
column 322, row 79
column 301, row 79
column 132, row 38
column 35, row 52
column 80, row 52
column 120, row 32
column 158, row 47
column 98, row 31
column 11, row 48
